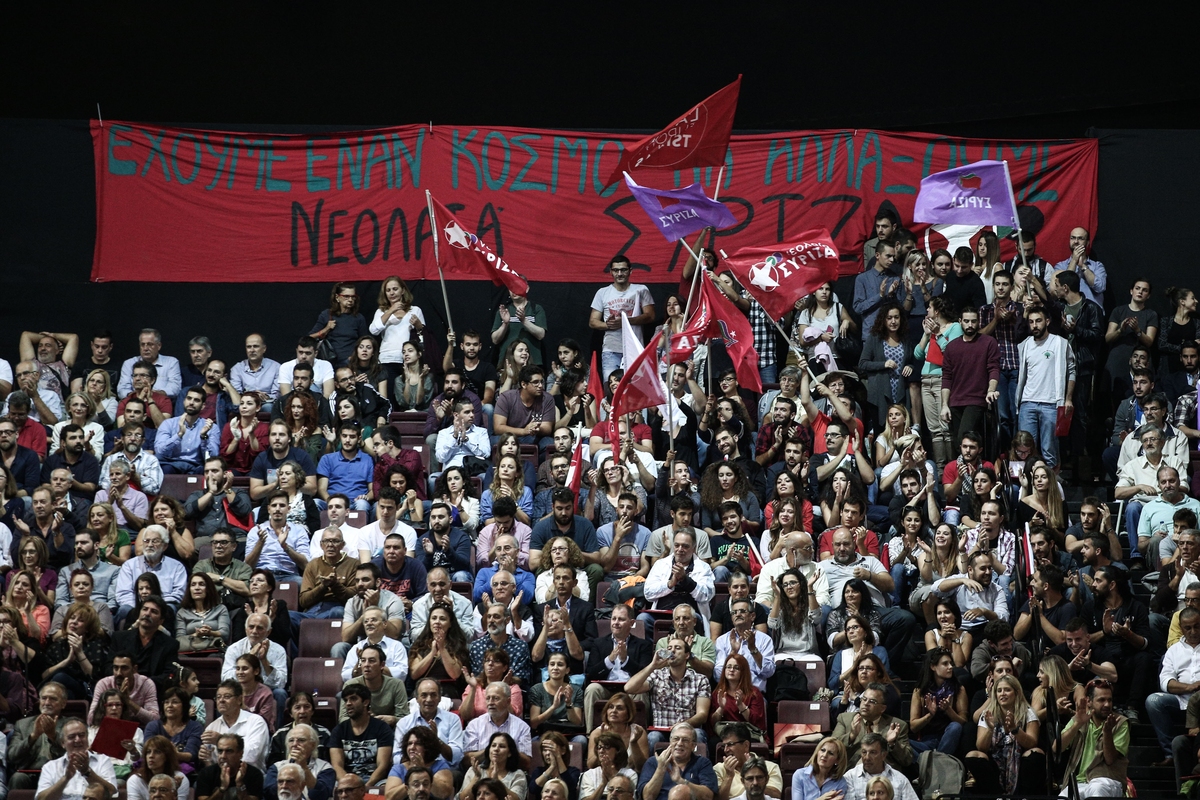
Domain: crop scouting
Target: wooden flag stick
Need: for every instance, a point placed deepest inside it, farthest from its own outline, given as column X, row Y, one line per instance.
column 717, row 188
column 792, row 343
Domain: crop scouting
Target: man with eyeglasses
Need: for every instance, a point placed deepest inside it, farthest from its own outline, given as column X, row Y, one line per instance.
column 796, row 552
column 172, row 575
column 678, row 766
column 141, row 462
column 563, row 521
column 438, row 584
column 619, row 787
column 680, row 579
column 731, row 770
column 230, row 776
column 46, row 406
column 757, row 647
column 632, row 300
column 328, row 581
column 871, row 717
column 232, row 718
column 843, row 450
column 158, row 405
column 230, row 574
column 504, row 555
column 526, row 412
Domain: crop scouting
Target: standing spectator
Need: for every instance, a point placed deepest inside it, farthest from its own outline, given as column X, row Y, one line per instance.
column 887, row 362
column 964, row 288
column 1082, row 325
column 1177, row 331
column 1046, row 382
column 1004, row 320
column 519, row 320
column 970, row 375
column 340, row 325
column 622, row 297
column 396, row 321
column 1092, row 275
column 877, row 285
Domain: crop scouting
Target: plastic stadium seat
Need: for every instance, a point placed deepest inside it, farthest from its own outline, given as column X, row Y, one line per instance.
column 180, row 486
column 318, row 636
column 208, row 672
column 289, row 593
column 321, row 676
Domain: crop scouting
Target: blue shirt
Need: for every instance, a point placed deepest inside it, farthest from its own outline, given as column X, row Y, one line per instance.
column 698, row 770
column 804, row 787
column 349, row 476
column 190, row 448
column 524, row 502
column 273, row 556
column 867, row 299
column 449, row 730
column 582, row 531
column 264, row 379
column 26, row 469
column 524, row 580
column 265, row 462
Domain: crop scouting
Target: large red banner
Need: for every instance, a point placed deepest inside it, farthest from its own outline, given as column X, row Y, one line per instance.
column 177, row 204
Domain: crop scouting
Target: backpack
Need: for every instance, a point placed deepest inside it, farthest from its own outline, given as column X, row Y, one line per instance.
column 627, row 590
column 939, row 774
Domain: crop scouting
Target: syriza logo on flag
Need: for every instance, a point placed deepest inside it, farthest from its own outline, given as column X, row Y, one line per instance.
column 779, row 275
column 975, row 194
column 467, row 254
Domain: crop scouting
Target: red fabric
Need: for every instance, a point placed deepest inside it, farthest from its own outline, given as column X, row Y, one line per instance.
column 640, row 386
column 779, row 275
column 303, row 207
column 818, row 428
column 411, row 460
column 459, row 252
column 826, row 543
column 33, row 436
column 161, row 400
column 715, row 317
column 241, row 459
column 595, row 384
column 699, row 137
column 756, row 704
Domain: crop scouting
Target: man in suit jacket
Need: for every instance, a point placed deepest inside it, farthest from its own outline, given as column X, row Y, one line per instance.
column 581, row 619
column 36, row 740
column 613, row 658
column 852, row 726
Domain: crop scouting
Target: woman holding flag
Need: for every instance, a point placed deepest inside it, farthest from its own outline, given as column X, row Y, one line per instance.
column 941, row 328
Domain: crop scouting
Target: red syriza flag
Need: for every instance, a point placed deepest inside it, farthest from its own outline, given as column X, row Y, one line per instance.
column 717, row 318
column 697, row 138
column 779, row 275
column 640, row 387
column 575, row 470
column 465, row 254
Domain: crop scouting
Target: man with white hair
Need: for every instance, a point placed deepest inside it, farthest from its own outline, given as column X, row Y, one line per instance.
column 498, row 719
column 680, row 579
column 678, row 767
column 66, row 777
column 290, row 784
column 302, row 743
column 270, row 654
column 161, row 787
column 172, row 575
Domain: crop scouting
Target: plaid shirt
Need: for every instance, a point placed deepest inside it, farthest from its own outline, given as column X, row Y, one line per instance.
column 1185, row 411
column 764, row 332
column 672, row 702
column 1006, row 546
column 1008, row 335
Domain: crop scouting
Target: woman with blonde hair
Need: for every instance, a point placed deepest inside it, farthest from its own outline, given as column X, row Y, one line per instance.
column 395, row 322
column 1042, row 501
column 113, row 543
column 77, row 652
column 941, row 560
column 1007, row 758
column 880, row 788
column 824, row 774
column 508, row 481
column 563, row 551
column 98, row 387
column 81, row 410
column 1053, row 673
column 30, row 601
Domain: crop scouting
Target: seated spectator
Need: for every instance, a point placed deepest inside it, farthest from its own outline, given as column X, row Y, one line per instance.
column 37, row 739
column 219, row 506
column 184, row 442
column 202, row 622
column 1124, row 640
column 47, row 523
column 454, row 488
column 361, row 744
column 677, row 765
column 113, row 705
column 318, row 775
column 271, row 656
column 1054, row 609
column 348, row 471
column 1054, row 674
column 732, row 549
column 794, row 616
column 1006, row 757
column 31, row 556
column 175, row 726
column 155, row 651
column 232, row 718
column 856, row 600
column 80, row 591
column 114, row 544
column 868, row 668
column 499, row 719
column 852, row 727
column 328, row 581
column 302, row 509
column 389, row 700
column 278, row 545
column 496, row 667
column 556, row 771
column 736, row 700
column 949, row 633
column 727, row 483
column 257, row 697
column 60, row 781
column 680, row 579
column 759, row 647
column 410, row 507
column 823, row 774
column 1097, row 777
column 440, row 651
column 368, row 592
column 874, row 771
column 232, row 767
column 996, row 639
column 443, row 723
column 462, row 437
column 498, row 622
column 400, row 572
column 172, row 575
column 446, row 546
column 563, row 553
column 244, row 437
column 438, row 584
column 499, row 761
column 678, row 693
column 938, row 711
column 508, row 481
column 1177, row 679
column 556, row 701
column 300, row 709
column 159, row 758
column 420, row 749
column 167, row 512
column 77, row 652
column 622, row 542
column 974, row 593
column 860, row 640
column 30, row 434
column 618, row 716
column 139, row 690
column 261, row 587
column 505, row 582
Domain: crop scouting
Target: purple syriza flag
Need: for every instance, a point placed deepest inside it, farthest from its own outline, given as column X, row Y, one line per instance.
column 976, row 194
column 680, row 212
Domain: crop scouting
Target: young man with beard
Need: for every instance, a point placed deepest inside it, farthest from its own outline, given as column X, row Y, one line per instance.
column 970, row 377
column 446, row 546
column 440, row 414
column 154, row 650
column 21, row 461
column 678, row 694
column 979, row 599
column 623, row 541
column 368, row 593
column 1099, row 730
column 184, row 442
column 87, row 557
column 1046, row 381
column 322, row 370
column 1120, row 632
column 76, row 456
column 389, row 700
column 278, row 545
column 100, row 357
column 302, row 386
column 220, row 398
column 142, row 462
column 1053, row 607
column 476, row 375
column 264, row 472
column 1004, row 320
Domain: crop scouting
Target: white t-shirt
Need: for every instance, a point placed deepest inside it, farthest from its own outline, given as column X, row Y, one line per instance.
column 370, row 537
column 322, row 371
column 1030, row 716
column 610, row 303
column 395, row 333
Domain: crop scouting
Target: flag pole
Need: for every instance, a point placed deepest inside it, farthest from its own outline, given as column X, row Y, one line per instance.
column 717, row 188
column 687, row 308
column 792, row 344
column 437, row 259
column 1012, row 199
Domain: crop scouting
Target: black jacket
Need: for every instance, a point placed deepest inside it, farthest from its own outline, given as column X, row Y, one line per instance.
column 640, row 652
column 1087, row 338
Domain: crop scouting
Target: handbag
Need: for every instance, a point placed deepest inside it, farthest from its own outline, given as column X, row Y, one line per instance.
column 325, row 350
column 190, row 643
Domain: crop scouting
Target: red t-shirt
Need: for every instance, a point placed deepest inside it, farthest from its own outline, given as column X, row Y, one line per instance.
column 825, row 545
column 818, row 428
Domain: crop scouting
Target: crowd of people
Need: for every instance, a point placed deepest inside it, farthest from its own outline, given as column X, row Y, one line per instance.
column 891, row 508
